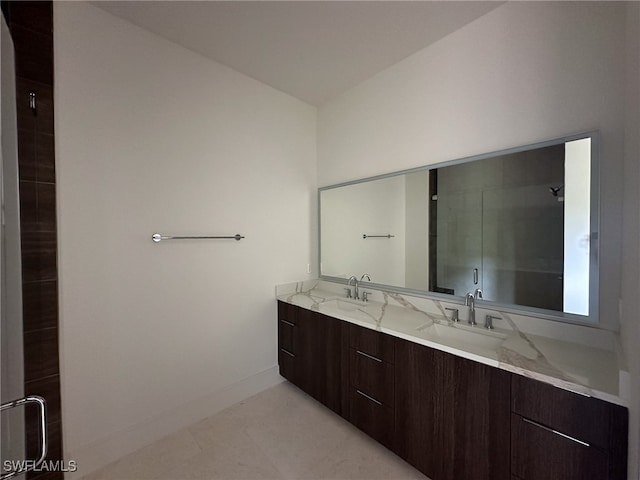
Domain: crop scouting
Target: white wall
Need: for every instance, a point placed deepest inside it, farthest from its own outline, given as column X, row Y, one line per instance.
column 630, row 315
column 525, row 72
column 369, row 208
column 151, row 137
column 416, row 259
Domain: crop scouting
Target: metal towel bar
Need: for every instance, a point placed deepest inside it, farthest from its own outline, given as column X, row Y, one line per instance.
column 31, row 465
column 378, row 236
column 156, row 237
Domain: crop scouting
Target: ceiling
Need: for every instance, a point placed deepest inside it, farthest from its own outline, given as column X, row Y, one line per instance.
column 312, row 50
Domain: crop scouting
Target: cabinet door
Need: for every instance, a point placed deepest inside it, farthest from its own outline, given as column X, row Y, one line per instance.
column 321, row 367
column 452, row 415
column 286, row 341
column 418, row 440
column 372, row 417
column 333, row 342
column 373, row 377
column 546, row 406
column 479, row 416
column 540, row 453
column 370, row 342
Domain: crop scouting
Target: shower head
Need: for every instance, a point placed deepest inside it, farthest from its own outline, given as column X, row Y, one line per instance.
column 554, row 190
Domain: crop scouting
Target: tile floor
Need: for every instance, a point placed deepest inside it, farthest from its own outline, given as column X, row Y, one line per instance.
column 280, row 433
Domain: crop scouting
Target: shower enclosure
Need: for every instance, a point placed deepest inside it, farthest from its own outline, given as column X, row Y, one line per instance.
column 16, row 408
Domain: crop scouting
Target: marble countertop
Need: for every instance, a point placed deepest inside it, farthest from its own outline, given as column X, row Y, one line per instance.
column 580, row 359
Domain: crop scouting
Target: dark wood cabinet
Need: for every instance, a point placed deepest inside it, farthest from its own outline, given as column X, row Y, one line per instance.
column 312, row 353
column 560, row 434
column 372, row 417
column 540, row 453
column 451, row 418
column 377, row 344
column 418, row 440
column 287, row 316
column 371, row 384
column 452, row 414
column 372, row 376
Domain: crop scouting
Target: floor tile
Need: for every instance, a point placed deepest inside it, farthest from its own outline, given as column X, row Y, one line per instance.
column 362, row 458
column 279, row 434
column 151, row 461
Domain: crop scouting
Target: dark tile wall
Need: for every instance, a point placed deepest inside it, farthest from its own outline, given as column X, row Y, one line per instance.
column 31, row 25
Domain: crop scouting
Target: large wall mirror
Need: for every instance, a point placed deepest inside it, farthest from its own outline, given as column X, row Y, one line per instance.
column 521, row 225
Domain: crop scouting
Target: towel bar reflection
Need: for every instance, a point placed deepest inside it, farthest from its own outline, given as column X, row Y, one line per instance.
column 156, row 237
column 378, row 236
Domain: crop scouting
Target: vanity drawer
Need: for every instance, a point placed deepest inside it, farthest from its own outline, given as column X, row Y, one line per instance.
column 287, row 312
column 584, row 418
column 287, row 365
column 372, row 376
column 375, row 344
column 538, row 453
column 286, row 334
column 370, row 416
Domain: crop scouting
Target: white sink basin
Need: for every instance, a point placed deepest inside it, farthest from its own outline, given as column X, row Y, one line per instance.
column 453, row 336
column 344, row 305
column 350, row 308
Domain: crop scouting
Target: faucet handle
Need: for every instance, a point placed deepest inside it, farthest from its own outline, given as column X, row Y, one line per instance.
column 488, row 321
column 348, row 290
column 454, row 314
column 365, row 296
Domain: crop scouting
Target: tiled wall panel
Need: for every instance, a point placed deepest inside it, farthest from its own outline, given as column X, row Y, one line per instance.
column 31, row 25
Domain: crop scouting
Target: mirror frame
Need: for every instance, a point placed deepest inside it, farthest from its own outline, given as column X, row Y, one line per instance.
column 594, row 224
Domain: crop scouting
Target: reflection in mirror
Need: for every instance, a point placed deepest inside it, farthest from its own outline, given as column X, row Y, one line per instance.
column 518, row 225
column 501, row 225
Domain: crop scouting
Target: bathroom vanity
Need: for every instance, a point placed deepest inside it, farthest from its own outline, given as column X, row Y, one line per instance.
column 457, row 402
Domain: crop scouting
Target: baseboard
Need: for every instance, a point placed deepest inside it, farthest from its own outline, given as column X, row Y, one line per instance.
column 95, row 455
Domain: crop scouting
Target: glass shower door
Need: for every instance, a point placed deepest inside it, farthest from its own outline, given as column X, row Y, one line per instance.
column 12, row 400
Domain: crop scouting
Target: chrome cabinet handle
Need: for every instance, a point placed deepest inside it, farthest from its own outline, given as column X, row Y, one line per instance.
column 283, row 350
column 368, row 397
column 563, row 435
column 368, row 356
column 43, row 432
column 288, row 323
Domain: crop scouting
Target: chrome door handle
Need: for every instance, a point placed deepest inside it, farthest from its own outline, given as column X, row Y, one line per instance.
column 282, row 350
column 368, row 397
column 368, row 356
column 551, row 430
column 43, row 431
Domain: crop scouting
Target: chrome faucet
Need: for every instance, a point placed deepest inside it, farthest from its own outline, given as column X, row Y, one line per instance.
column 365, row 295
column 356, row 293
column 469, row 301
